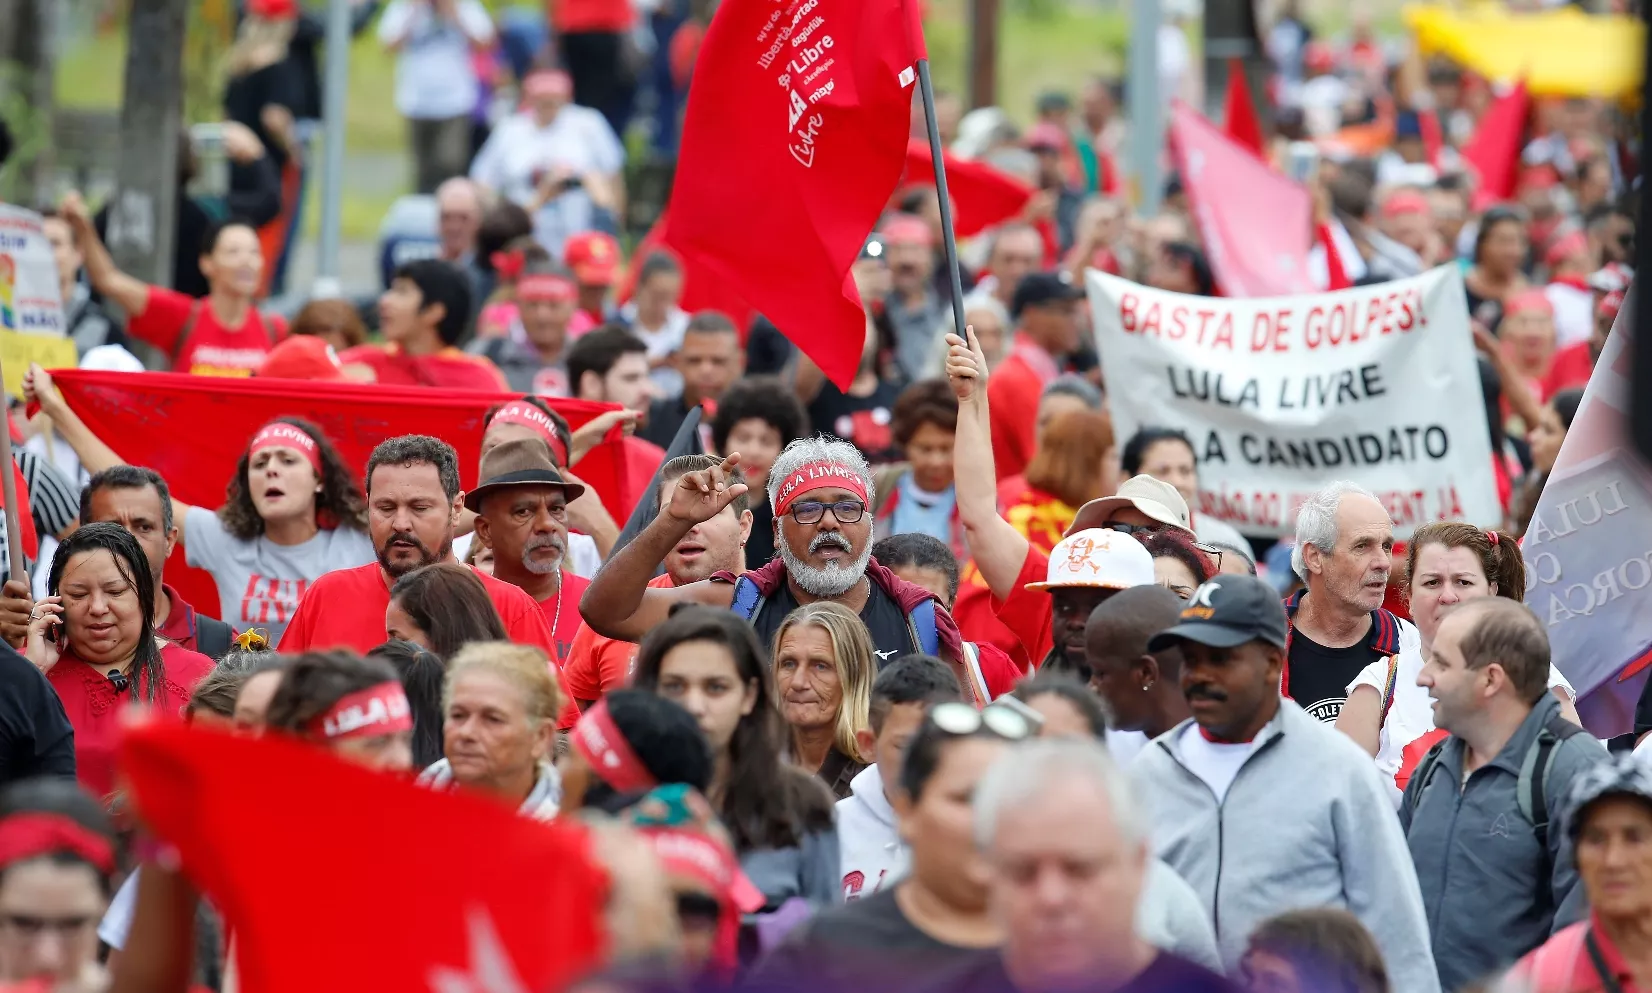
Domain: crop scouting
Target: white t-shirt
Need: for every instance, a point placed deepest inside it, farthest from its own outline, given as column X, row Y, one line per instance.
column 665, row 340
column 583, row 556
column 1574, row 313
column 435, row 79
column 519, row 152
column 1217, row 763
column 1412, row 714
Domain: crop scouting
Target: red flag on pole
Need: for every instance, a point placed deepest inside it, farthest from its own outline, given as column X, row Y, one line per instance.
column 1494, row 151
column 382, row 884
column 795, row 136
column 983, row 195
column 1239, row 118
column 1257, row 225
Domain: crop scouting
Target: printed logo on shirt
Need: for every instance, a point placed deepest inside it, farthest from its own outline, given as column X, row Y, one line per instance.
column 855, row 881
column 551, row 381
column 1327, row 711
column 271, row 601
column 215, row 360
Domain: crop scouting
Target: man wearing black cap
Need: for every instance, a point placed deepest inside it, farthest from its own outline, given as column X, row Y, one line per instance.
column 1045, row 310
column 521, row 510
column 1260, row 806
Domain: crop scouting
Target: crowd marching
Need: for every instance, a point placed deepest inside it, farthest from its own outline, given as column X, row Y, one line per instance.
column 966, row 670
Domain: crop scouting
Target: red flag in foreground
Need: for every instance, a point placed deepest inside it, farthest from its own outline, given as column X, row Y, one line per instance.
column 1239, row 115
column 1257, row 225
column 193, row 429
column 795, row 136
column 702, row 289
column 1494, row 151
column 337, row 879
column 982, row 195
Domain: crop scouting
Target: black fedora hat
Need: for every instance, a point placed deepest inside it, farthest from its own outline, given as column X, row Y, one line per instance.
column 524, row 462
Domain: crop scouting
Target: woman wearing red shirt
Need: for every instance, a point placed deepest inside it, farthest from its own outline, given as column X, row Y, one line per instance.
column 94, row 638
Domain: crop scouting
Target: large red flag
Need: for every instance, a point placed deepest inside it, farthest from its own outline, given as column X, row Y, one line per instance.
column 193, row 429
column 982, row 195
column 795, row 135
column 1257, row 225
column 1494, row 151
column 337, row 879
column 1239, row 118
column 702, row 289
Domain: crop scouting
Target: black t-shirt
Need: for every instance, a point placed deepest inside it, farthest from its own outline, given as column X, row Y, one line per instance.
column 246, row 96
column 760, row 546
column 1165, row 974
column 865, row 422
column 35, row 736
column 1320, row 676
column 865, row 944
column 891, row 634
column 665, row 416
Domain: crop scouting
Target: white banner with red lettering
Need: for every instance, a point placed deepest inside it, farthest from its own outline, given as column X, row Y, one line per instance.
column 1377, row 385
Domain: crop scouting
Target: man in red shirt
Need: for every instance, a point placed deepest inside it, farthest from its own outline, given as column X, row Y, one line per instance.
column 422, row 316
column 222, row 335
column 413, row 500
column 1045, row 309
column 610, row 365
column 521, row 509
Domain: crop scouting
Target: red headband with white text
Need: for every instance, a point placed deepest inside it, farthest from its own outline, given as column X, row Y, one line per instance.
column 525, row 414
column 609, row 755
column 280, row 434
column 818, row 476
column 377, row 710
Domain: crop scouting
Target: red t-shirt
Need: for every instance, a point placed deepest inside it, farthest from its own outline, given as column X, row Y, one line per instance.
column 93, row 707
column 345, row 609
column 1013, row 393
column 592, row 16
column 596, row 664
column 449, row 368
column 1571, row 366
column 1029, row 613
column 562, row 614
column 210, row 349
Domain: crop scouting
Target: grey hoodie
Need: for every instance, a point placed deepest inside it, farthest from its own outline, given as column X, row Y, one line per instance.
column 1306, row 823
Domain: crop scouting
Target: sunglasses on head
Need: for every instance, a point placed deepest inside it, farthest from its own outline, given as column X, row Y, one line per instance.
column 999, row 718
column 1135, row 529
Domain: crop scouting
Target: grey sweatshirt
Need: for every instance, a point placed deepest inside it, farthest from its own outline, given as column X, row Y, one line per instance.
column 1305, row 823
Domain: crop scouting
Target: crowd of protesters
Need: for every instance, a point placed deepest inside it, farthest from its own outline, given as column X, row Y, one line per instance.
column 932, row 681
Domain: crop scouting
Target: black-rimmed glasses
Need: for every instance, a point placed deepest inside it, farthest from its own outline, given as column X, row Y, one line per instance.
column 811, row 511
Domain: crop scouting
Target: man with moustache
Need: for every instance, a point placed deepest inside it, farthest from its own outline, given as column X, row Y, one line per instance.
column 413, row 503
column 1259, row 806
column 521, row 509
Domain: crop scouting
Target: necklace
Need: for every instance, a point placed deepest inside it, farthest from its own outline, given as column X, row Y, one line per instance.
column 556, row 619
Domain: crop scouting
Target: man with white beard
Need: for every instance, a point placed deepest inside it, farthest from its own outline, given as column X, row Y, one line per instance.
column 522, row 514
column 819, row 489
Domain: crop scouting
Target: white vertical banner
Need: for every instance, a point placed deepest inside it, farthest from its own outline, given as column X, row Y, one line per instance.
column 1378, row 385
column 29, row 295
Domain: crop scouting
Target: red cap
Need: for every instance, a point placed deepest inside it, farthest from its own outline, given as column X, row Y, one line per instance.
column 1566, row 248
column 303, row 356
column 1046, row 135
column 273, row 10
column 1402, row 202
column 593, row 256
column 906, row 229
column 1528, row 300
column 1539, row 177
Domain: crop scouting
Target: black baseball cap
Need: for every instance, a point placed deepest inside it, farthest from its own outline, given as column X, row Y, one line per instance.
column 1039, row 288
column 1226, row 612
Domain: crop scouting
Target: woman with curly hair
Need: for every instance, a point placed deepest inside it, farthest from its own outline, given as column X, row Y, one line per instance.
column 292, row 512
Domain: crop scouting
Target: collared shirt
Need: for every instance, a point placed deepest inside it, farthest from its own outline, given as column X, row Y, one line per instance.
column 182, row 625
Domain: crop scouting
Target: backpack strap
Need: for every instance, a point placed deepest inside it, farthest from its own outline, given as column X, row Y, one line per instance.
column 748, row 600
column 1531, row 791
column 972, row 661
column 1388, row 687
column 186, row 332
column 922, row 620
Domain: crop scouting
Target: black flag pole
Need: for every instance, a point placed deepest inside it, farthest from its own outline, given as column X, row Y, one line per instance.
column 926, row 87
column 685, row 442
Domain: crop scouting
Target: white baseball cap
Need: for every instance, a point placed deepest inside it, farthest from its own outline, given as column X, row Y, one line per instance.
column 1100, row 558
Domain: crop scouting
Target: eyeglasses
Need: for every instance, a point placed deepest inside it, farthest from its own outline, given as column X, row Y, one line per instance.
column 811, row 511
column 1135, row 529
column 960, row 719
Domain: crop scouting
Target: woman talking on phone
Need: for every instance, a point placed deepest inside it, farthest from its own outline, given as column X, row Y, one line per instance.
column 94, row 638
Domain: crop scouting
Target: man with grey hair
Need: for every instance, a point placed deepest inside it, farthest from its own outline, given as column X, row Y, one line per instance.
column 819, row 489
column 1066, row 850
column 1338, row 625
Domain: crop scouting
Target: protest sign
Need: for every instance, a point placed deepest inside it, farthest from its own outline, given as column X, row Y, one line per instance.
column 17, row 351
column 1588, row 548
column 29, row 296
column 1280, row 396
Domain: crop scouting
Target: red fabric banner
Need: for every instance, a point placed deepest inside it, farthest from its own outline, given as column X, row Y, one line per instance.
column 1494, row 151
column 1257, row 225
column 795, row 135
column 302, row 851
column 193, row 430
column 982, row 195
column 1239, row 118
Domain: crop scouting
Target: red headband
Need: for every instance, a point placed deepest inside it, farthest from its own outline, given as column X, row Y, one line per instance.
column 27, row 836
column 284, row 435
column 546, row 286
column 815, row 476
column 525, row 414
column 608, row 753
column 508, row 265
column 368, row 713
column 699, row 857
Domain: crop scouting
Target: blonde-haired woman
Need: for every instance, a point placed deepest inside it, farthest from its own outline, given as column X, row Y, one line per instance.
column 823, row 670
column 499, row 709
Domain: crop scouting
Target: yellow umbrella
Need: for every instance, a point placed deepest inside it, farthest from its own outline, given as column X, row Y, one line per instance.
column 1561, row 52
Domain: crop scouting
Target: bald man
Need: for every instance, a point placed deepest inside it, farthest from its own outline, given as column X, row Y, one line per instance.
column 458, row 218
column 1139, row 690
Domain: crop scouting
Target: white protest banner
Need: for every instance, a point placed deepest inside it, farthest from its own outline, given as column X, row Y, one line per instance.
column 1378, row 385
column 29, row 297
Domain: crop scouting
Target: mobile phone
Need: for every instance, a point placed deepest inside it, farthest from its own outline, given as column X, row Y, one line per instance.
column 1302, row 162
column 572, row 183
